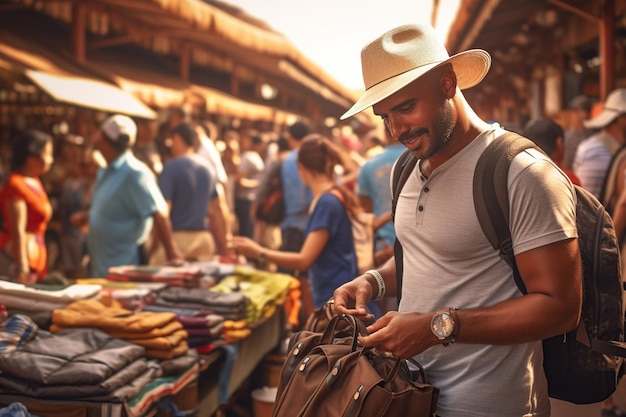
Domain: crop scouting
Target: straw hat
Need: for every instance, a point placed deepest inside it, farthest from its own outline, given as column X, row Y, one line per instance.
column 614, row 106
column 404, row 54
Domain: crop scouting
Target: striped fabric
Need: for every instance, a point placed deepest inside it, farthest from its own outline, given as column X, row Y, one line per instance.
column 16, row 331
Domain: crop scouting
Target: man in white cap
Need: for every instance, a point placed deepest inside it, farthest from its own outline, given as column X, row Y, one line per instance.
column 126, row 203
column 461, row 315
column 594, row 154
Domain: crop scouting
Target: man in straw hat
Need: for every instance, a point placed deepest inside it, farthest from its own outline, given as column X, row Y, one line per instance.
column 461, row 314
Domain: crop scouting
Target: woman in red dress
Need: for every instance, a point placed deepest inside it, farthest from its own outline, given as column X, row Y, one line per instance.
column 26, row 209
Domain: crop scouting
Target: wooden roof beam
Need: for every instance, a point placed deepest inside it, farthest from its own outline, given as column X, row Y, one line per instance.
column 120, row 40
column 576, row 10
column 483, row 16
column 79, row 25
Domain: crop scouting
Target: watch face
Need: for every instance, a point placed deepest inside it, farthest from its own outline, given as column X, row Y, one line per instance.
column 442, row 325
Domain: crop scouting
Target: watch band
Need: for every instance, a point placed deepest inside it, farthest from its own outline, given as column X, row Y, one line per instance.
column 457, row 325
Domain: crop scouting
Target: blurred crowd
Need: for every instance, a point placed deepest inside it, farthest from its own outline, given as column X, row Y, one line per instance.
column 210, row 181
column 140, row 193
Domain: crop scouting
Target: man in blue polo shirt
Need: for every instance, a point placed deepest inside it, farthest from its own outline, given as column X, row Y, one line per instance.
column 296, row 195
column 374, row 191
column 126, row 203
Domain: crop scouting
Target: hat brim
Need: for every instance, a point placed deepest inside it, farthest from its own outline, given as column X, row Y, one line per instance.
column 602, row 120
column 470, row 67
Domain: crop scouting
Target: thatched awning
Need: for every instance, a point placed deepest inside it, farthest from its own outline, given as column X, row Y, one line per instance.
column 90, row 93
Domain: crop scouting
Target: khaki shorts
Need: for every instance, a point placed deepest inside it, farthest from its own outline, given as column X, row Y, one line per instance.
column 194, row 245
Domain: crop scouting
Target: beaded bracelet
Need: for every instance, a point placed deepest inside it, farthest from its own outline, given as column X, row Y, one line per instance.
column 380, row 281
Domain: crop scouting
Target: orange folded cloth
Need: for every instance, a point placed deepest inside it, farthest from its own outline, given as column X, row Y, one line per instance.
column 175, row 352
column 92, row 313
column 161, row 342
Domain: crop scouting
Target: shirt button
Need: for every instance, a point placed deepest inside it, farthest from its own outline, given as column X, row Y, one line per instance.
column 420, row 208
column 426, row 189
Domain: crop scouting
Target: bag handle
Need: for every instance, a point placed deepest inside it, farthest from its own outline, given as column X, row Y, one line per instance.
column 324, row 312
column 420, row 369
column 357, row 326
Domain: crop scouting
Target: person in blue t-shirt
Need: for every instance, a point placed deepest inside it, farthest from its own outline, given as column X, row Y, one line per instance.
column 328, row 250
column 296, row 196
column 189, row 185
column 374, row 191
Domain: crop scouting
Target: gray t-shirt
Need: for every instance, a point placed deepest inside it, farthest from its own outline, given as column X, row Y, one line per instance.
column 251, row 166
column 448, row 262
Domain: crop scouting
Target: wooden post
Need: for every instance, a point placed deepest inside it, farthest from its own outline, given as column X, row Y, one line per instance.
column 234, row 82
column 607, row 52
column 79, row 19
column 185, row 55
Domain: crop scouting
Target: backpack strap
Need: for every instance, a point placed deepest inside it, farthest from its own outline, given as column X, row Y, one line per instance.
column 491, row 195
column 608, row 141
column 609, row 185
column 404, row 166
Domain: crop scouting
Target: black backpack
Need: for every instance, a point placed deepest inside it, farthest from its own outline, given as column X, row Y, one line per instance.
column 608, row 194
column 583, row 366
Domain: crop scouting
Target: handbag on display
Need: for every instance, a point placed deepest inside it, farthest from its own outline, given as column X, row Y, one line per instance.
column 331, row 374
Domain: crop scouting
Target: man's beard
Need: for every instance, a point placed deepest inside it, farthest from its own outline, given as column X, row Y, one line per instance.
column 438, row 138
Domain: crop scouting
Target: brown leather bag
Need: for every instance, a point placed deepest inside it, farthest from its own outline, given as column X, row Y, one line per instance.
column 331, row 374
column 320, row 317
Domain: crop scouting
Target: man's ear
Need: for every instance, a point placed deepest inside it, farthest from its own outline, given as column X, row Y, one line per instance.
column 448, row 82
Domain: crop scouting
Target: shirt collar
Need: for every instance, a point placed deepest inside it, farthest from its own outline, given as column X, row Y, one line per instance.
column 121, row 159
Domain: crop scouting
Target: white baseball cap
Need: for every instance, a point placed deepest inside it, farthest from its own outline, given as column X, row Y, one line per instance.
column 614, row 106
column 120, row 129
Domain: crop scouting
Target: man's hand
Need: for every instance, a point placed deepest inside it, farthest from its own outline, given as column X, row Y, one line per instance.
column 352, row 298
column 404, row 335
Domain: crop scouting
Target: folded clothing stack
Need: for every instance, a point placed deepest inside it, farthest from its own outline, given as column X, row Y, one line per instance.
column 129, row 295
column 263, row 290
column 75, row 363
column 230, row 306
column 44, row 298
column 180, row 276
column 204, row 329
column 160, row 333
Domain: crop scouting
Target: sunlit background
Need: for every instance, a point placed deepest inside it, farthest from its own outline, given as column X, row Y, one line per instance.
column 332, row 32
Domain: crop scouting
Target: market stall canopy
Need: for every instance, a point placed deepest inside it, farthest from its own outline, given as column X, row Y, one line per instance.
column 90, row 93
column 218, row 102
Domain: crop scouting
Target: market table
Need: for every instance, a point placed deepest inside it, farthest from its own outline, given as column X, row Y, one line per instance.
column 229, row 367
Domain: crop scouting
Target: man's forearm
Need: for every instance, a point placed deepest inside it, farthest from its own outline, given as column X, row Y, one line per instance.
column 388, row 271
column 164, row 232
column 219, row 224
